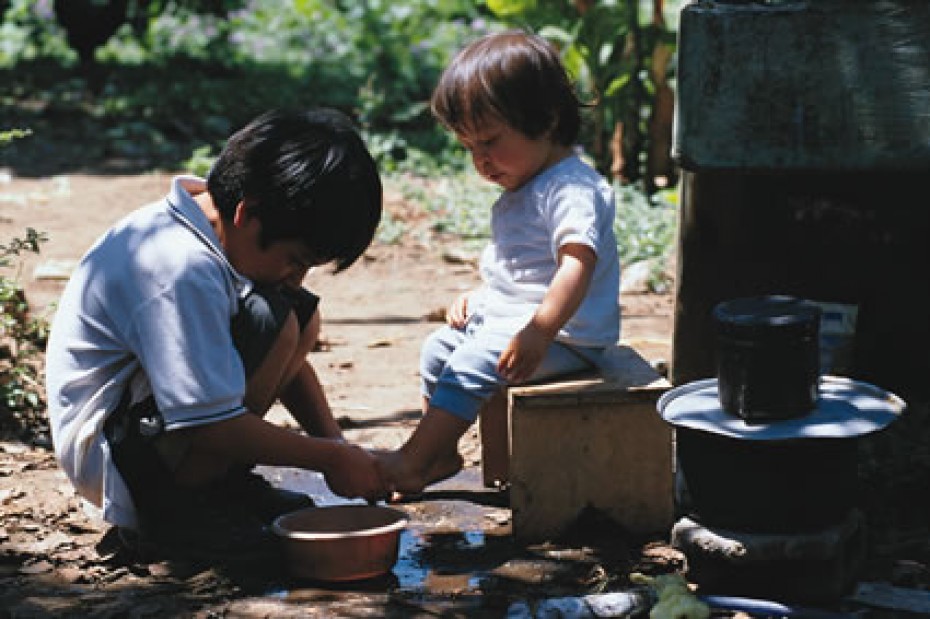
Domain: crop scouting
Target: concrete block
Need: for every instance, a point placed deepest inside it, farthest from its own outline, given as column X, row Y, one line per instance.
column 595, row 442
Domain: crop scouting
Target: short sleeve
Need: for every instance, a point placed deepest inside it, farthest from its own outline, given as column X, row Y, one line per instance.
column 572, row 216
column 184, row 344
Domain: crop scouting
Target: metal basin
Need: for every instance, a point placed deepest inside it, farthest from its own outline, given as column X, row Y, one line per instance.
column 340, row 542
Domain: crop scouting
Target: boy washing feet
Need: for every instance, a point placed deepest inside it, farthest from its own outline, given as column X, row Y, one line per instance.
column 186, row 321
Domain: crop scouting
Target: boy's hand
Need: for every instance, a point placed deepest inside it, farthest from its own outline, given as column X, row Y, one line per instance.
column 354, row 472
column 457, row 314
column 523, row 354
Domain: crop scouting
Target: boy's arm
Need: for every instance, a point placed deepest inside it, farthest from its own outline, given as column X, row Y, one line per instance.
column 350, row 471
column 566, row 292
column 306, row 401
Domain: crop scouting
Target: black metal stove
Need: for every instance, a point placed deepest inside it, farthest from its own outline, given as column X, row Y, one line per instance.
column 767, row 458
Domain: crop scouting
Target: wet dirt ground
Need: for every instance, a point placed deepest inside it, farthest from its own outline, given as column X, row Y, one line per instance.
column 457, row 556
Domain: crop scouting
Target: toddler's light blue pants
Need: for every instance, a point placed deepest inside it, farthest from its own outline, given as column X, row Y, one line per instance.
column 458, row 367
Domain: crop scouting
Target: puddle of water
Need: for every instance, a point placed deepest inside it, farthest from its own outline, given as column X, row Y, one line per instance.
column 415, row 571
column 447, row 560
column 308, row 482
column 457, row 557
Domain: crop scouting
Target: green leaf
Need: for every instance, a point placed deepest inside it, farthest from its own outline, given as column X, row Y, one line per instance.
column 561, row 36
column 574, row 62
column 616, row 85
column 510, row 8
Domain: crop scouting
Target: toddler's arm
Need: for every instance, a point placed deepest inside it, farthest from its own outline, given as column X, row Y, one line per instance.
column 568, row 288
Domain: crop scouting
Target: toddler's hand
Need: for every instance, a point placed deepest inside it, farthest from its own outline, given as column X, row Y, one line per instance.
column 457, row 314
column 523, row 354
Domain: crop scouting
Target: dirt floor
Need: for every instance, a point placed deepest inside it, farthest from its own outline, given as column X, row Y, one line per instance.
column 458, row 557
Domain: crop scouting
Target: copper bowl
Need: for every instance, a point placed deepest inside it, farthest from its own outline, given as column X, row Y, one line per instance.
column 340, row 542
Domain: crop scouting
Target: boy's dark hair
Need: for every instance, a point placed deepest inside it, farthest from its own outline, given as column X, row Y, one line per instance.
column 305, row 175
column 515, row 76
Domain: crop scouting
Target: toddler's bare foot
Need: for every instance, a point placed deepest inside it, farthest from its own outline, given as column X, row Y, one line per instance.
column 398, row 472
column 444, row 466
column 406, row 480
column 440, row 469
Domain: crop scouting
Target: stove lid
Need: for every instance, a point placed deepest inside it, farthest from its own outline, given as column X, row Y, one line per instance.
column 767, row 317
column 845, row 408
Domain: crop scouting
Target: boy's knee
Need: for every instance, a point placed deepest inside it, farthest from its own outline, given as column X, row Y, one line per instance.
column 310, row 333
column 304, row 304
column 288, row 335
column 266, row 317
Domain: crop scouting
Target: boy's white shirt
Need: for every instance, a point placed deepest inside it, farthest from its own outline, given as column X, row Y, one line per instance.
column 165, row 304
column 568, row 202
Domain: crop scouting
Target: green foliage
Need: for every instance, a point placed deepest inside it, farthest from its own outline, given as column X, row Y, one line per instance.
column 646, row 230
column 461, row 204
column 9, row 135
column 200, row 161
column 179, row 77
column 511, row 8
column 28, row 31
column 377, row 59
column 22, row 337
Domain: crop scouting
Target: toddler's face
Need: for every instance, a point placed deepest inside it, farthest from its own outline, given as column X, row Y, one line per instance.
column 506, row 157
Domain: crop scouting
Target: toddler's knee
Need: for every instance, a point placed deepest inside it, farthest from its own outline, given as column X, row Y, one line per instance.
column 435, row 351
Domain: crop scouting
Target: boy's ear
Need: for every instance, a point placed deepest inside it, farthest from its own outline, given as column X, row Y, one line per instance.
column 241, row 214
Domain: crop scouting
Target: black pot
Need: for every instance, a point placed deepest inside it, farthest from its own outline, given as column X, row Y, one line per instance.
column 788, row 486
column 768, row 357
